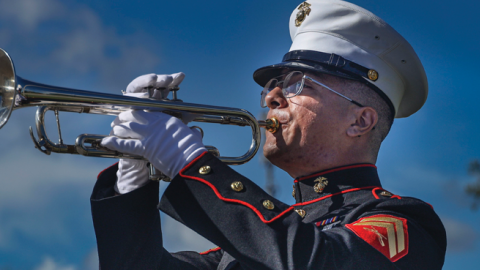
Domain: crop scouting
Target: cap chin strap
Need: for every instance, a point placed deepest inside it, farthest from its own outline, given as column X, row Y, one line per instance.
column 335, row 61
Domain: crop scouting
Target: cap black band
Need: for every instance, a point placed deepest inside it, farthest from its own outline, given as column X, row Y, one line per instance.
column 331, row 60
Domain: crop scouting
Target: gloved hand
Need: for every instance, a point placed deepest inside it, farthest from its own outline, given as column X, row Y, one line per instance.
column 132, row 173
column 164, row 140
column 162, row 83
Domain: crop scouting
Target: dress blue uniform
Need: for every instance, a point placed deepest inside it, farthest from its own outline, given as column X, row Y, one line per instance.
column 351, row 224
column 342, row 218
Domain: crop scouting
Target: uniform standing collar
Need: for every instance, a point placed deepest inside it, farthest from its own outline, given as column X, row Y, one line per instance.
column 335, row 180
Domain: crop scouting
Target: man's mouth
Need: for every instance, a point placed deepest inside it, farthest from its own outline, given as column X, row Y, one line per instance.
column 281, row 117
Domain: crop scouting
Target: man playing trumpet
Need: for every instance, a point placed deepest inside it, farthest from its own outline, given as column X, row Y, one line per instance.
column 335, row 94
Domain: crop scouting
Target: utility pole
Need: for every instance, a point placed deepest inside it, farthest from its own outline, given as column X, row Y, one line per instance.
column 473, row 189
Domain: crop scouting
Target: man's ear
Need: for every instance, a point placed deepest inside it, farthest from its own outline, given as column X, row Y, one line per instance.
column 365, row 120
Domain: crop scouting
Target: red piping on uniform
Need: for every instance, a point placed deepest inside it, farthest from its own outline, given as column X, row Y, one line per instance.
column 235, row 201
column 98, row 176
column 226, row 199
column 210, row 250
column 430, row 205
column 193, row 161
column 255, row 210
column 374, row 192
column 335, row 170
column 331, row 195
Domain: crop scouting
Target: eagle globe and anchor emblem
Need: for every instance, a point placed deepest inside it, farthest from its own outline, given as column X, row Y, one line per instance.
column 321, row 184
column 303, row 13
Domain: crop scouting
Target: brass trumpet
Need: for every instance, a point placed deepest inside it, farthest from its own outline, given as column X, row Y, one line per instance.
column 16, row 93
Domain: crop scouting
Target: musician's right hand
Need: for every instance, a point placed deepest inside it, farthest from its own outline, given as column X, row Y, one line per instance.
column 132, row 173
column 162, row 139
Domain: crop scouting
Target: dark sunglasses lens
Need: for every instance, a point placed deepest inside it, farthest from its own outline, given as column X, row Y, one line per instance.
column 292, row 84
column 268, row 87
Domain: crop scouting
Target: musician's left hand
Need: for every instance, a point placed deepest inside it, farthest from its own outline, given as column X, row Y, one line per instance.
column 162, row 139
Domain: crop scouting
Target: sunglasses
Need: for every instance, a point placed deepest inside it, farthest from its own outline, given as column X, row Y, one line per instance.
column 292, row 85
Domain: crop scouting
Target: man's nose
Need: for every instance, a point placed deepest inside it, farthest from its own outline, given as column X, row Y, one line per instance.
column 275, row 99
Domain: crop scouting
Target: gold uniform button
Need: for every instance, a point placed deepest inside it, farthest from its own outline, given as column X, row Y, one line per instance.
column 268, row 204
column 205, row 170
column 373, row 75
column 237, row 186
column 301, row 212
column 386, row 193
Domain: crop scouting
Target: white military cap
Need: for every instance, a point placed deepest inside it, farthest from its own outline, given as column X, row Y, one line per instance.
column 345, row 40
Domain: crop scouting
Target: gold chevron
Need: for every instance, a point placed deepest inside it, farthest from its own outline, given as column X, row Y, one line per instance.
column 390, row 234
column 398, row 227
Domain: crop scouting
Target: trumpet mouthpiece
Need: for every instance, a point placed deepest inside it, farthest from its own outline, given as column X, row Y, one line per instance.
column 272, row 125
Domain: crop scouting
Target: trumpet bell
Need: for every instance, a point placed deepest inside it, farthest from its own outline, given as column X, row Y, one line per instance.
column 7, row 87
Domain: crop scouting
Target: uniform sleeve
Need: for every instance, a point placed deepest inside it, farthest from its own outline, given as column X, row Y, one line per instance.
column 261, row 232
column 128, row 230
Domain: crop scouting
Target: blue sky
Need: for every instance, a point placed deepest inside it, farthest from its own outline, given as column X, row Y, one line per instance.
column 45, row 221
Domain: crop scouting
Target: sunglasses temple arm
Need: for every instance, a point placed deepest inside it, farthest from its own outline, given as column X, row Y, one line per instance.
column 356, row 103
column 347, row 98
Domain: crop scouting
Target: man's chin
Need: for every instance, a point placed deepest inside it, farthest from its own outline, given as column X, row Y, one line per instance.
column 273, row 154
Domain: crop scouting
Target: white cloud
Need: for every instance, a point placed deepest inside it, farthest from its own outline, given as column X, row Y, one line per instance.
column 91, row 261
column 460, row 236
column 28, row 14
column 35, row 190
column 178, row 237
column 49, row 264
column 72, row 42
column 414, row 180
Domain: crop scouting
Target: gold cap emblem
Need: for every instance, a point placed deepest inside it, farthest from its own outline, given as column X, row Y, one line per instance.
column 303, row 13
column 293, row 192
column 322, row 182
column 205, row 170
column 268, row 204
column 237, row 186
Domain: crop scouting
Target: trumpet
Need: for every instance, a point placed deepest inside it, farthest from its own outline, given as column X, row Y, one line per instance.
column 16, row 93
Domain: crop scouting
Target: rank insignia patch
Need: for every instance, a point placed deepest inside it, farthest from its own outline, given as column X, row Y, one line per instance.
column 388, row 234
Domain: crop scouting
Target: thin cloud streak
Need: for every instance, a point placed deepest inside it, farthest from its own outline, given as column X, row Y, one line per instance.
column 79, row 44
column 460, row 236
column 49, row 264
column 28, row 14
column 178, row 237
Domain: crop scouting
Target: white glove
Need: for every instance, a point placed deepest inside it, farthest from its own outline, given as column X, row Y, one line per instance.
column 132, row 173
column 162, row 139
column 162, row 83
